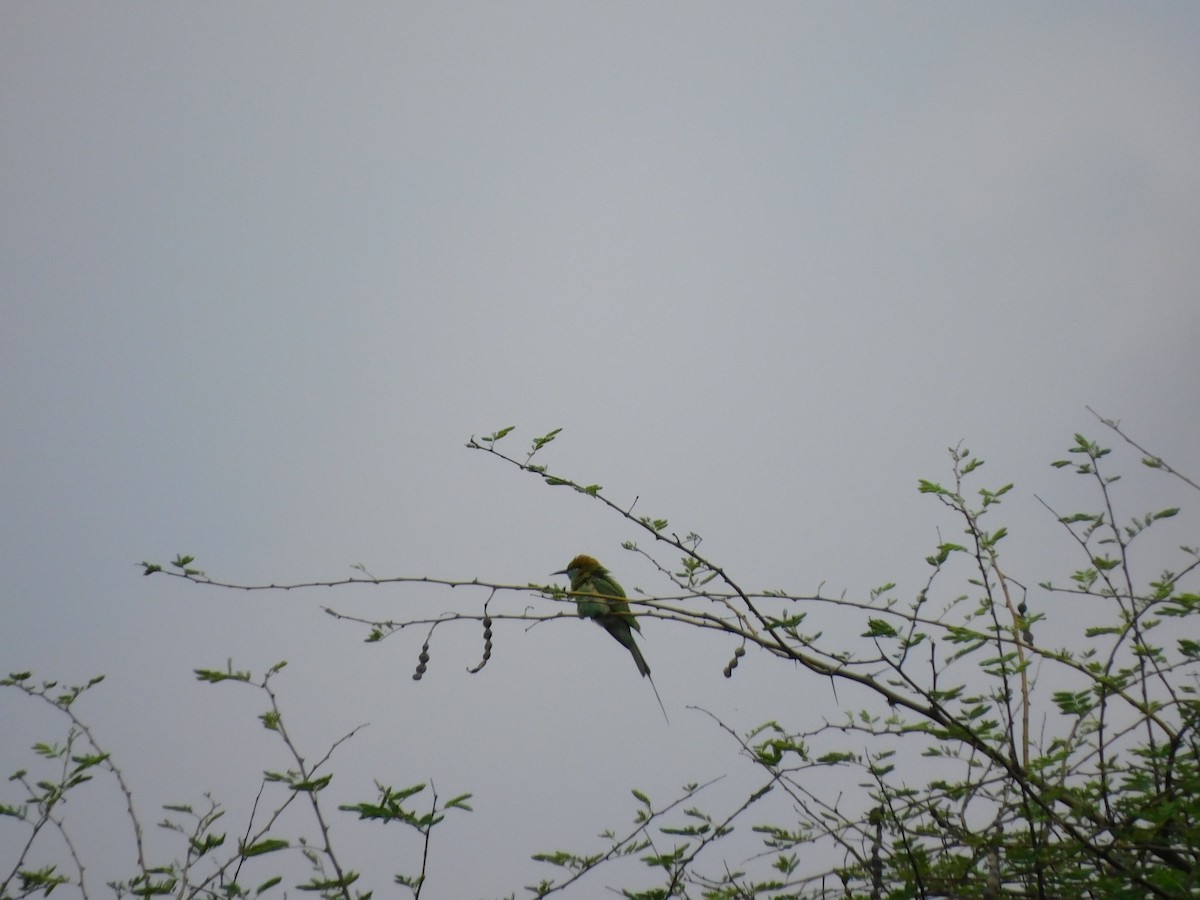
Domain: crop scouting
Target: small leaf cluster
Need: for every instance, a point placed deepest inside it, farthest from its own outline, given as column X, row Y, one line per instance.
column 211, row 863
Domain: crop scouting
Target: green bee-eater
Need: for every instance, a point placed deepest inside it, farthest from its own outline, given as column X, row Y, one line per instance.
column 603, row 601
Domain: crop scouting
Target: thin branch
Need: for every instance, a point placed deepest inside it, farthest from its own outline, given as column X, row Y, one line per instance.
column 1156, row 462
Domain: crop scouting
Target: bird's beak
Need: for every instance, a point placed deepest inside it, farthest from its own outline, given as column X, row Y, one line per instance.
column 559, row 572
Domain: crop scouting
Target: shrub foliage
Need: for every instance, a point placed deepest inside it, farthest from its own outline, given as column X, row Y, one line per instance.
column 993, row 762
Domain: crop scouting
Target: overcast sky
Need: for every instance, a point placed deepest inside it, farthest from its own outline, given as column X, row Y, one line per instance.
column 265, row 268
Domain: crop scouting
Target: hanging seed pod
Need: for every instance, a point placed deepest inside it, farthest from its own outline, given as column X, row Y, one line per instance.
column 733, row 663
column 423, row 659
column 487, row 644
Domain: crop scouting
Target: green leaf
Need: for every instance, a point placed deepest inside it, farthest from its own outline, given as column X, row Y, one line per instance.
column 990, row 540
column 312, row 785
column 332, row 885
column 459, row 802
column 540, row 442
column 213, row 675
column 270, row 845
column 497, row 435
column 944, row 551
column 1074, row 704
column 880, row 628
column 210, row 842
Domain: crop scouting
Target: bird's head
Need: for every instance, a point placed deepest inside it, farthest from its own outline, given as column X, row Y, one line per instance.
column 581, row 565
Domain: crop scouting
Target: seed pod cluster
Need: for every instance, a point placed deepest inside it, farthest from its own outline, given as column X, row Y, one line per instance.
column 737, row 654
column 422, row 660
column 487, row 644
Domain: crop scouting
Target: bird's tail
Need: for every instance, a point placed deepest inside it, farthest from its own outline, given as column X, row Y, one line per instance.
column 658, row 698
column 643, row 666
column 625, row 636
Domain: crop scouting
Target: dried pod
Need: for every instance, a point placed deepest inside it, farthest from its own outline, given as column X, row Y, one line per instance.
column 423, row 659
column 733, row 663
column 487, row 644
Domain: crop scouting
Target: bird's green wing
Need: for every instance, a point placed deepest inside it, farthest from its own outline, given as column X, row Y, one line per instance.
column 590, row 607
column 594, row 607
column 607, row 585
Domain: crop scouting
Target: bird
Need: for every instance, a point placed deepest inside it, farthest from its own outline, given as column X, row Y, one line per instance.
column 603, row 601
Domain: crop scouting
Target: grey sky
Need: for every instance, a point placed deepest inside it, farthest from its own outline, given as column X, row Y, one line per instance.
column 264, row 269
